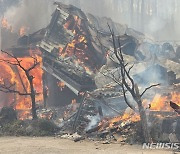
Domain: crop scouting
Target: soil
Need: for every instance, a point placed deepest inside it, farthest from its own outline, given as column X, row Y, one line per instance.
column 50, row 145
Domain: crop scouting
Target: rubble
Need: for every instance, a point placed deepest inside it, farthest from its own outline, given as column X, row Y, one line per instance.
column 76, row 137
column 76, row 50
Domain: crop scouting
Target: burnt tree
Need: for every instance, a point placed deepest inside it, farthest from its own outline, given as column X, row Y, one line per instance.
column 127, row 83
column 10, row 88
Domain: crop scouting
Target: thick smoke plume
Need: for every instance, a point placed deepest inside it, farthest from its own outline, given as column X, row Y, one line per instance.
column 157, row 18
column 5, row 4
column 32, row 14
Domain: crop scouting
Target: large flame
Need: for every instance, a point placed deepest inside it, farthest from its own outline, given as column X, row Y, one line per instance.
column 13, row 75
column 6, row 25
column 78, row 46
column 6, row 75
column 161, row 103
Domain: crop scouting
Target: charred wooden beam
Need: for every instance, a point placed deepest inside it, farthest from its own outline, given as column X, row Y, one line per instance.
column 74, row 81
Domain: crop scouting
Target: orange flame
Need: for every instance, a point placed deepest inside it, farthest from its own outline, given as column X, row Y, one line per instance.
column 61, row 85
column 10, row 75
column 5, row 24
column 131, row 117
column 161, row 103
column 22, row 31
column 111, row 123
column 71, row 108
column 78, row 46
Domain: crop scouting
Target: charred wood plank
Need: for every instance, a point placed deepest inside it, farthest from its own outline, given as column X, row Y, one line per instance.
column 79, row 112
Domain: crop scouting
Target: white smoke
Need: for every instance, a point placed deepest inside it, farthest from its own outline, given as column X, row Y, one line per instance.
column 32, row 14
column 156, row 24
column 94, row 120
column 158, row 18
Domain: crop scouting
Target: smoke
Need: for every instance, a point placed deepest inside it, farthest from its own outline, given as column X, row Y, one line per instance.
column 32, row 14
column 94, row 120
column 156, row 24
column 157, row 18
column 5, row 4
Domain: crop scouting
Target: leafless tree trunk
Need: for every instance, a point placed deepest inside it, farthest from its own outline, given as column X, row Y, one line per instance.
column 32, row 94
column 144, row 122
column 128, row 85
column 9, row 88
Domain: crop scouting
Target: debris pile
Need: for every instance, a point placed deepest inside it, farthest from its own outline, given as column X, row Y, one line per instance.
column 78, row 62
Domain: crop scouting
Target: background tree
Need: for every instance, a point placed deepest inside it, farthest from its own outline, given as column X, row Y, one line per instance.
column 9, row 88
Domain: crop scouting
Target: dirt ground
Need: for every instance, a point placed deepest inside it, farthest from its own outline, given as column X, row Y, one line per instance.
column 50, row 145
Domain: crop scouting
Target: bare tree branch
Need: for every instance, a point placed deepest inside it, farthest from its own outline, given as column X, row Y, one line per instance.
column 17, row 62
column 131, row 87
column 14, row 91
column 36, row 63
column 130, row 68
column 8, row 89
column 155, row 85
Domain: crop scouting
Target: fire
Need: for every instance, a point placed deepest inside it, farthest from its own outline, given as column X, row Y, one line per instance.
column 61, row 85
column 6, row 75
column 78, row 47
column 88, row 70
column 22, row 31
column 113, row 122
column 62, row 55
column 14, row 75
column 5, row 24
column 23, row 115
column 37, row 73
column 126, row 117
column 71, row 108
column 74, row 105
column 161, row 103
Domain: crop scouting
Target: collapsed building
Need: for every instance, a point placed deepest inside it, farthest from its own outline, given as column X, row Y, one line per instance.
column 75, row 49
column 75, row 46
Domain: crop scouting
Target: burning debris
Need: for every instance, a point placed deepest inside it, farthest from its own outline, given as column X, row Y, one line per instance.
column 175, row 107
column 76, row 82
column 18, row 83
